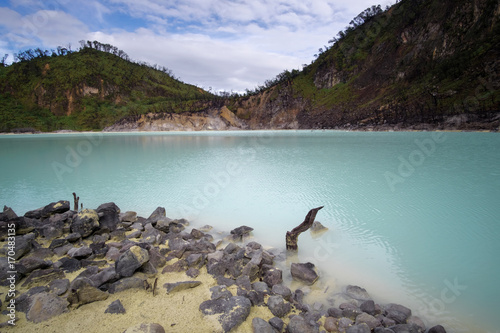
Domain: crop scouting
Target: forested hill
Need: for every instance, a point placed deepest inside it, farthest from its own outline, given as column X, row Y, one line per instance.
column 421, row 64
column 88, row 89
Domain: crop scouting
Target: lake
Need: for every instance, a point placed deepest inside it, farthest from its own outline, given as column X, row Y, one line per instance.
column 413, row 217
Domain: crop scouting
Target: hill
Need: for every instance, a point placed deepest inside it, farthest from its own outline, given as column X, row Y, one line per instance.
column 88, row 90
column 419, row 64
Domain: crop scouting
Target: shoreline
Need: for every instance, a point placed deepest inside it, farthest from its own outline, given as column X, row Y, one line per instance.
column 86, row 260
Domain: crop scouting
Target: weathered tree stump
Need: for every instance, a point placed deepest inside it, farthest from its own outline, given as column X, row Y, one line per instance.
column 292, row 236
column 76, row 199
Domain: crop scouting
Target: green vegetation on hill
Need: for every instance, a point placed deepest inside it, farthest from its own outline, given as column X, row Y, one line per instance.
column 88, row 90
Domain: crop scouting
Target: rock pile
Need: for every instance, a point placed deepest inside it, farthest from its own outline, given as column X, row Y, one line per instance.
column 110, row 247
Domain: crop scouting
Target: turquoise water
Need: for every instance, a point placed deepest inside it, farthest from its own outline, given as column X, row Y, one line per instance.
column 413, row 216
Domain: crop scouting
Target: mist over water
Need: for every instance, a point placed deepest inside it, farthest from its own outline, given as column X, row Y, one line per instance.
column 413, row 217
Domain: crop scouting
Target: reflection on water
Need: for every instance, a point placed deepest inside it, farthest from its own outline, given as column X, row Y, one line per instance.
column 411, row 218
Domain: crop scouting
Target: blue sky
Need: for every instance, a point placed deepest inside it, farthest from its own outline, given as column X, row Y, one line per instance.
column 223, row 44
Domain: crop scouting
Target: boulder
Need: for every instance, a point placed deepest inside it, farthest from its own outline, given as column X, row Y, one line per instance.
column 281, row 290
column 357, row 293
column 369, row 320
column 397, row 312
column 23, row 301
column 230, row 312
column 368, row 307
column 278, row 306
column 85, row 222
column 115, row 307
column 158, row 214
column 131, row 260
column 437, row 329
column 417, row 321
column 43, row 277
column 240, row 232
column 297, row 324
column 8, row 214
column 273, row 277
column 109, row 216
column 87, row 293
column 45, row 306
column 68, row 265
column 55, row 208
column 220, row 292
column 128, row 216
column 59, row 286
column 178, row 286
column 304, row 272
column 358, row 328
column 80, row 252
column 126, row 283
column 259, row 325
column 163, row 224
column 107, row 275
column 146, row 328
column 277, row 323
column 29, row 264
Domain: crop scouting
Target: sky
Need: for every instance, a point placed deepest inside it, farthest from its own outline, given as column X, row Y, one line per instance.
column 230, row 45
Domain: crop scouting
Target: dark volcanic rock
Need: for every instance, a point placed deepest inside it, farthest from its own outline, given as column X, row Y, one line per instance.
column 178, row 286
column 240, row 232
column 87, row 293
column 259, row 325
column 284, row 291
column 23, row 301
column 80, row 252
column 43, row 277
column 126, row 283
column 278, row 306
column 277, row 323
column 368, row 307
column 45, row 306
column 58, row 243
column 220, row 292
column 369, row 320
column 55, row 208
column 108, row 216
column 398, row 313
column 231, row 312
column 273, row 276
column 357, row 293
column 146, row 328
column 68, row 264
column 131, row 260
column 358, row 328
column 297, row 324
column 115, row 307
column 85, row 222
column 406, row 328
column 437, row 329
column 59, row 286
column 304, row 272
column 159, row 213
column 29, row 264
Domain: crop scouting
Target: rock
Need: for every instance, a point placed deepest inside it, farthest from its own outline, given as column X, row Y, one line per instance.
column 398, row 313
column 73, row 237
column 368, row 307
column 178, row 286
column 131, row 260
column 317, row 227
column 29, row 264
column 179, row 266
column 259, row 325
column 85, row 222
column 357, row 293
column 334, row 312
column 192, row 272
column 416, row 321
column 163, row 224
column 277, row 323
column 45, row 306
column 406, row 328
column 146, row 328
column 115, row 307
column 350, row 311
column 278, row 306
column 156, row 258
column 8, row 214
column 108, row 216
column 273, row 277
column 240, row 232
column 55, row 208
column 231, row 312
column 383, row 330
column 126, row 283
column 437, row 329
column 331, row 324
column 304, row 272
column 197, row 234
column 23, row 301
column 358, row 328
column 128, row 216
column 80, row 252
column 159, row 213
column 87, row 293
column 344, row 323
column 261, row 287
column 43, row 277
column 59, row 286
column 220, row 292
column 369, row 320
column 386, row 322
column 68, row 265
column 23, row 246
column 107, row 275
column 297, row 324
column 58, row 243
column 284, row 291
column 194, row 259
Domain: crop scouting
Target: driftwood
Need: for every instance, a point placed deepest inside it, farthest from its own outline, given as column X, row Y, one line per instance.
column 76, row 199
column 292, row 236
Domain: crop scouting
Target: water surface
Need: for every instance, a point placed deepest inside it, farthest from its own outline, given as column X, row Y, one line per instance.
column 412, row 217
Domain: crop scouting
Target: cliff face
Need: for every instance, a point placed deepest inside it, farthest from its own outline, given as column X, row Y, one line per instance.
column 420, row 62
